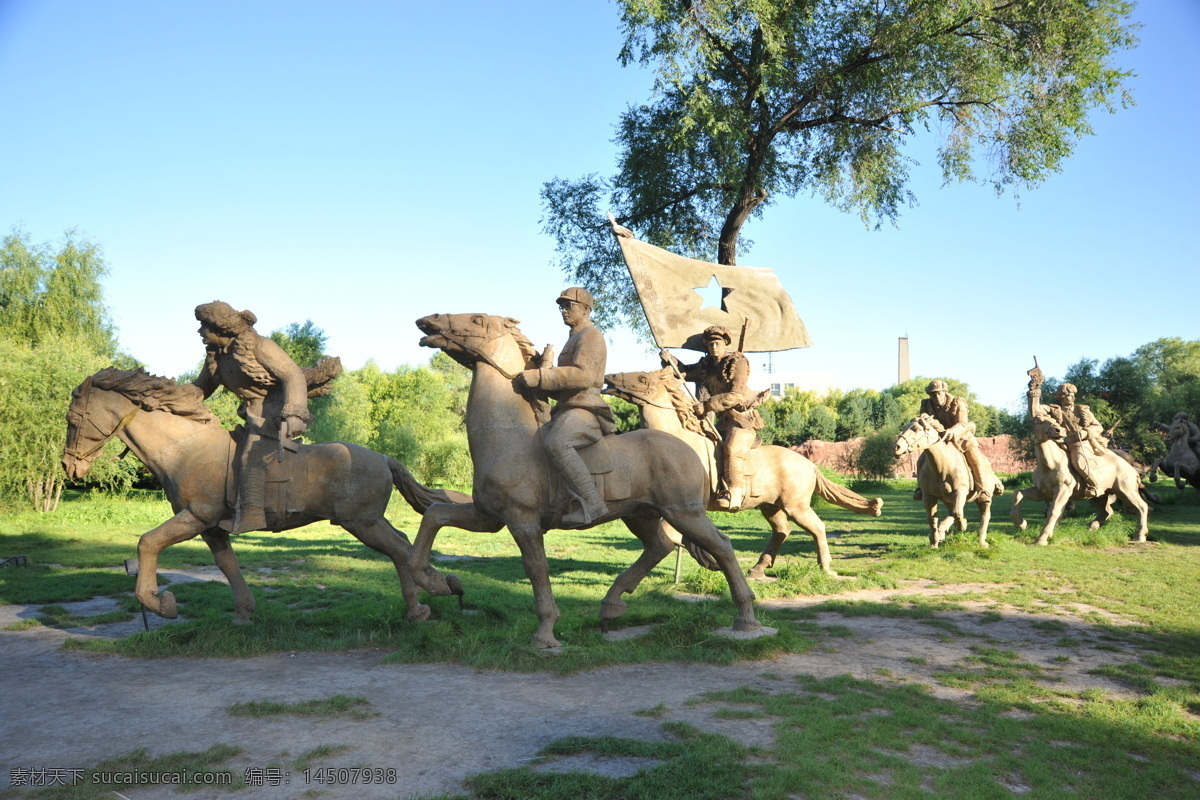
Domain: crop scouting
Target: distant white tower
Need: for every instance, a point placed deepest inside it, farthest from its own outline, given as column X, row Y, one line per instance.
column 902, row 362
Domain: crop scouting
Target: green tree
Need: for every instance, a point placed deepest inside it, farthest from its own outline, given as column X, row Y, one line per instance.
column 821, row 425
column 754, row 99
column 876, row 457
column 305, row 343
column 54, row 291
column 54, row 332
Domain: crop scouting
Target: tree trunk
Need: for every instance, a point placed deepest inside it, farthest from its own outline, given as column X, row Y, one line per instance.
column 749, row 200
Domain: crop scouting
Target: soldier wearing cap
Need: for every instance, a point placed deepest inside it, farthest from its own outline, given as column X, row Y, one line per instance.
column 951, row 412
column 721, row 382
column 271, row 386
column 1085, row 440
column 580, row 417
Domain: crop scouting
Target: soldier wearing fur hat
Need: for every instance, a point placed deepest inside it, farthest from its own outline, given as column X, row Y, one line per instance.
column 951, row 412
column 721, row 381
column 581, row 416
column 271, row 386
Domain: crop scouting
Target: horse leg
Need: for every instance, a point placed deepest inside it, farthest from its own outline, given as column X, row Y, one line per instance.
column 1104, row 508
column 931, row 516
column 985, row 516
column 1152, row 474
column 1054, row 512
column 1130, row 495
column 1016, row 512
column 379, row 535
column 780, row 530
column 695, row 525
column 952, row 514
column 1179, row 481
column 179, row 528
column 438, row 516
column 243, row 599
column 530, row 541
column 656, row 545
column 806, row 518
column 960, row 510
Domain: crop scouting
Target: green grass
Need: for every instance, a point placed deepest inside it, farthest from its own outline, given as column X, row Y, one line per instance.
column 842, row 737
column 191, row 772
column 328, row 708
column 319, row 589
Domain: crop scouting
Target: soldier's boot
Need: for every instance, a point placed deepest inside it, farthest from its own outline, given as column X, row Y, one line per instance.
column 1087, row 481
column 577, row 476
column 249, row 514
column 735, row 486
column 981, row 471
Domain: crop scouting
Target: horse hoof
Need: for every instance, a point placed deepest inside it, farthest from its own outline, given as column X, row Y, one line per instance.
column 1023, row 525
column 544, row 643
column 455, row 585
column 611, row 609
column 241, row 619
column 420, row 614
column 746, row 626
column 166, row 606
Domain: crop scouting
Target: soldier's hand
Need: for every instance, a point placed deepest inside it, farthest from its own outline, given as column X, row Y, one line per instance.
column 698, row 409
column 528, row 379
column 667, row 359
column 293, row 426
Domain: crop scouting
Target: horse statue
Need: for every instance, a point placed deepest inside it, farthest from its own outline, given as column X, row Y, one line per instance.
column 648, row 476
column 1181, row 462
column 943, row 475
column 171, row 431
column 1055, row 483
column 780, row 481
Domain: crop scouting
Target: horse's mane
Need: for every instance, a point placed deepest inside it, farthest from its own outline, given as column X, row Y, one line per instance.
column 683, row 403
column 541, row 409
column 155, row 393
column 528, row 351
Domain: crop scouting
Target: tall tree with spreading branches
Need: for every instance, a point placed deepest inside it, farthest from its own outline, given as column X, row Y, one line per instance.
column 755, row 99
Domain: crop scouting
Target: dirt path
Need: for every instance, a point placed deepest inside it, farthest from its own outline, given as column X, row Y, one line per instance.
column 438, row 724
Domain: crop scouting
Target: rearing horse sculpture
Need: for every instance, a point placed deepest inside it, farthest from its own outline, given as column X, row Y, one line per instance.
column 1055, row 483
column 783, row 480
column 945, row 476
column 660, row 477
column 171, row 431
column 1181, row 462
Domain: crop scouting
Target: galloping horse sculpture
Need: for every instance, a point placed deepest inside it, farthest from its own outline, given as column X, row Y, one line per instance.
column 1056, row 484
column 944, row 476
column 1181, row 462
column 783, row 481
column 659, row 476
column 173, row 433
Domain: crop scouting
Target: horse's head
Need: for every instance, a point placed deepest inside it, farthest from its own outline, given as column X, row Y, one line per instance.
column 470, row 338
column 91, row 422
column 924, row 431
column 1046, row 429
column 639, row 388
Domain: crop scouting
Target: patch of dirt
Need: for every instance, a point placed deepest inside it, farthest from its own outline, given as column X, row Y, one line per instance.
column 438, row 723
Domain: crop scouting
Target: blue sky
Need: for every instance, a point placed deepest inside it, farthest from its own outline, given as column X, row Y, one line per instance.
column 366, row 163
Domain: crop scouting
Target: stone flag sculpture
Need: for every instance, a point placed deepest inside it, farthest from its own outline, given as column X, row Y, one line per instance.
column 667, row 283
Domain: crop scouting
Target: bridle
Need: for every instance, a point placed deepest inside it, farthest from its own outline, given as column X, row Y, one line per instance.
column 79, row 418
column 459, row 336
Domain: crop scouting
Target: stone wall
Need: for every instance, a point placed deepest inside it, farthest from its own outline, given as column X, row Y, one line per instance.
column 1000, row 450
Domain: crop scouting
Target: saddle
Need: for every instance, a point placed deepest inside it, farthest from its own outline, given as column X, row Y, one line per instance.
column 282, row 476
column 613, row 484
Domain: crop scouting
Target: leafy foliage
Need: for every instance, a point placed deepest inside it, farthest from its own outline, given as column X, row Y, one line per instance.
column 54, row 332
column 754, row 100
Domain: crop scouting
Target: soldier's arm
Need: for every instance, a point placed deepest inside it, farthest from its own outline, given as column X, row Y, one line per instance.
column 962, row 426
column 207, row 381
column 290, row 377
column 739, row 390
column 582, row 370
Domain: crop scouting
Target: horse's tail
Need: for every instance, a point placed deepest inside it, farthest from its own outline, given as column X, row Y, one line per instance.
column 847, row 499
column 418, row 496
column 1147, row 495
column 702, row 556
